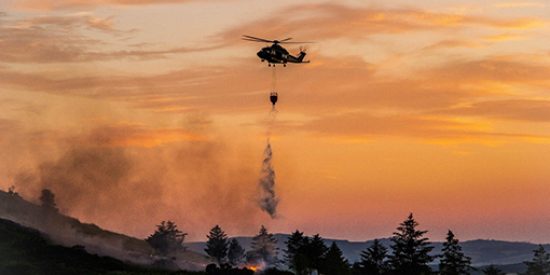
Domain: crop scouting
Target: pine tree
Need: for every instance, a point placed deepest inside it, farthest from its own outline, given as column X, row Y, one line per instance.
column 373, row 259
column 235, row 254
column 167, row 238
column 410, row 250
column 264, row 247
column 492, row 270
column 540, row 265
column 216, row 245
column 314, row 251
column 334, row 262
column 356, row 269
column 295, row 256
column 47, row 200
column 453, row 260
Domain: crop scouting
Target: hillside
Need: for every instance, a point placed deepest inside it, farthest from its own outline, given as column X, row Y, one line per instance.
column 26, row 251
column 68, row 231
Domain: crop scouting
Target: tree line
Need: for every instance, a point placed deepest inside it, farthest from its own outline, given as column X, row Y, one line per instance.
column 409, row 253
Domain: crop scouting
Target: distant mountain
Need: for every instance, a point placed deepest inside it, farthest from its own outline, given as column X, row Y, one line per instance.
column 482, row 252
column 67, row 231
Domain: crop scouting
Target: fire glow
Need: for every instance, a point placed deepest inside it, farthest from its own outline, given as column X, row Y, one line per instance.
column 253, row 267
column 256, row 267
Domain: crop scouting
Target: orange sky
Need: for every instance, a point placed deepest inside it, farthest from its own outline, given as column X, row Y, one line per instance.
column 135, row 111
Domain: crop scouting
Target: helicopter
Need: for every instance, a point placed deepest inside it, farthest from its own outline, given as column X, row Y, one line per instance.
column 276, row 54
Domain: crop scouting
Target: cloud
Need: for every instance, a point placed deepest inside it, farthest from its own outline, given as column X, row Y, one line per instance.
column 8, row 125
column 519, row 4
column 512, row 109
column 328, row 83
column 453, row 43
column 497, row 68
column 47, row 39
column 332, row 82
column 124, row 135
column 329, row 21
column 503, row 37
column 72, row 4
column 356, row 125
column 336, row 84
column 50, row 38
column 69, row 21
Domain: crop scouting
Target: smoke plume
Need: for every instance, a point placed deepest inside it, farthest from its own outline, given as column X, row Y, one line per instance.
column 268, row 199
column 113, row 177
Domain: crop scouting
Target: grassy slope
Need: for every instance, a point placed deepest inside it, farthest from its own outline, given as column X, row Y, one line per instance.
column 26, row 251
column 68, row 231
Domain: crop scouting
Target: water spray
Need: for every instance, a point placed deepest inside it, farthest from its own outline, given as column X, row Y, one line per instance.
column 268, row 199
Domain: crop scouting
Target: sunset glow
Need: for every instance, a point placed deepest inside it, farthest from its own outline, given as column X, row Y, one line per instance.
column 137, row 111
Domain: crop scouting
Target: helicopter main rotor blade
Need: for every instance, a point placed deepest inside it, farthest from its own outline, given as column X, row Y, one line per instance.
column 258, row 39
column 254, row 40
column 296, row 42
column 284, row 41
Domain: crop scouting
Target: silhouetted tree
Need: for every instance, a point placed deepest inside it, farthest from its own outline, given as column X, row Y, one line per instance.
column 216, row 245
column 224, row 269
column 314, row 251
column 47, row 199
column 410, row 250
column 373, row 259
column 275, row 271
column 264, row 247
column 492, row 270
column 356, row 269
column 293, row 244
column 334, row 262
column 167, row 238
column 295, row 257
column 235, row 254
column 11, row 191
column 540, row 265
column 453, row 261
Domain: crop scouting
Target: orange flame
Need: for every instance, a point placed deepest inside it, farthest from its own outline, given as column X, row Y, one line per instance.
column 253, row 267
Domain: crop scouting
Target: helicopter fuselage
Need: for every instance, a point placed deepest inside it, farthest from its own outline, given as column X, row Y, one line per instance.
column 276, row 54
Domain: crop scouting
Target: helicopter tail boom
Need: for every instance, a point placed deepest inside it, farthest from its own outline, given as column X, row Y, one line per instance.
column 297, row 59
column 301, row 56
